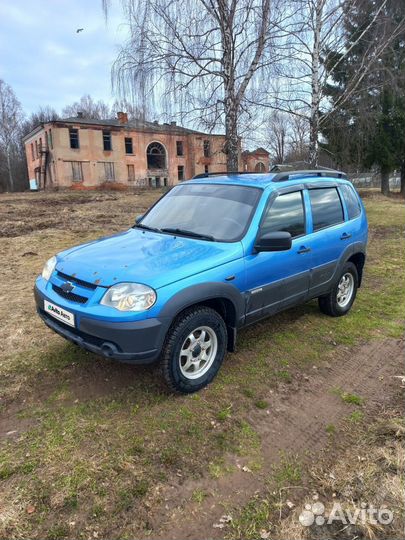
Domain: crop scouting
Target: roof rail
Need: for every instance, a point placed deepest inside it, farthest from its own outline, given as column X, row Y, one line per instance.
column 328, row 173
column 225, row 173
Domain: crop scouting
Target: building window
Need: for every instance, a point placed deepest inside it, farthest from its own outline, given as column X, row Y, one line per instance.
column 206, row 169
column 40, row 144
column 180, row 173
column 32, row 152
column 131, row 172
column 109, row 173
column 179, row 148
column 107, row 141
column 156, row 156
column 259, row 167
column 74, row 138
column 77, row 171
column 207, row 148
column 36, row 149
column 128, row 145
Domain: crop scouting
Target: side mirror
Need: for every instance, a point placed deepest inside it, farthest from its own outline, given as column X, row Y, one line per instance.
column 138, row 218
column 273, row 241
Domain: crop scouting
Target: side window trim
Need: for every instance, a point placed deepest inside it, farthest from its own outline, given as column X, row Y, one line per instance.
column 273, row 196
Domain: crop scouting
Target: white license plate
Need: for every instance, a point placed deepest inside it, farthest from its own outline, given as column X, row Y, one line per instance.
column 59, row 313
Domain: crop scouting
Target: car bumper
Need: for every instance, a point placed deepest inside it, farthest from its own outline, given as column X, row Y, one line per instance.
column 138, row 342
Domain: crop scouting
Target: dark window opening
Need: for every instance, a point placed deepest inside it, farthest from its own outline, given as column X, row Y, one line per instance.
column 179, row 148
column 286, row 214
column 260, row 167
column 326, row 207
column 207, row 148
column 32, row 152
column 180, row 173
column 74, row 138
column 206, row 169
column 128, row 145
column 156, row 156
column 36, row 149
column 107, row 141
column 50, row 139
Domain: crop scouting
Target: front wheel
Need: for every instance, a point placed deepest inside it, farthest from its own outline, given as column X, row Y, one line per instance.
column 339, row 301
column 194, row 349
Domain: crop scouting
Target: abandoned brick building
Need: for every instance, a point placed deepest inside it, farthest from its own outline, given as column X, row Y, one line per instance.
column 256, row 161
column 90, row 152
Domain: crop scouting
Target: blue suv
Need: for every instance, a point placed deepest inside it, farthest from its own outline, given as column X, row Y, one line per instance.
column 214, row 254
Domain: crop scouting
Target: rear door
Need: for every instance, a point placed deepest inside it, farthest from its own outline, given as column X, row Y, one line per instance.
column 278, row 279
column 329, row 238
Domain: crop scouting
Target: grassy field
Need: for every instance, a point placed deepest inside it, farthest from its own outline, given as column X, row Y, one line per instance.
column 92, row 448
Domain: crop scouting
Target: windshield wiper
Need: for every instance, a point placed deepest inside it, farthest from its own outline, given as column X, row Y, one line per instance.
column 192, row 234
column 146, row 227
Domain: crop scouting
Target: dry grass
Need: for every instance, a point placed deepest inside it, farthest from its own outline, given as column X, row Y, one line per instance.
column 90, row 444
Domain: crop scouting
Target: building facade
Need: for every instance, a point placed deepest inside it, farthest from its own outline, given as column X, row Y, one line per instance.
column 79, row 151
column 256, row 161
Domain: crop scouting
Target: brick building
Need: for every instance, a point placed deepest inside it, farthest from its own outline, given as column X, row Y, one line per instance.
column 256, row 161
column 78, row 150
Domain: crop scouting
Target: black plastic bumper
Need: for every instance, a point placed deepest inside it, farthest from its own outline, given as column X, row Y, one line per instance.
column 137, row 342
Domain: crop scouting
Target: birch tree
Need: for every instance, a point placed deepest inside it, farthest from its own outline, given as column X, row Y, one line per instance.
column 202, row 57
column 10, row 121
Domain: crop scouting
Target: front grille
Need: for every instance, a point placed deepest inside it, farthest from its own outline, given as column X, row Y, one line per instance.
column 69, row 295
column 77, row 281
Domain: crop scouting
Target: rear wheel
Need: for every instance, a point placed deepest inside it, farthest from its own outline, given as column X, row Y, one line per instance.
column 339, row 301
column 194, row 349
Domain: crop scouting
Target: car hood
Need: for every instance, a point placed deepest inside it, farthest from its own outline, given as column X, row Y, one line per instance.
column 144, row 257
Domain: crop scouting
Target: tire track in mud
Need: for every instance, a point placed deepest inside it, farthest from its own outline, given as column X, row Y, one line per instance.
column 295, row 423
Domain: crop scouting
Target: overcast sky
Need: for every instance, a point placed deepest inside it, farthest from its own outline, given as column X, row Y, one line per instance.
column 43, row 58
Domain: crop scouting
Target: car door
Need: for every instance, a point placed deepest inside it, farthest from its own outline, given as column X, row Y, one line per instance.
column 330, row 236
column 278, row 279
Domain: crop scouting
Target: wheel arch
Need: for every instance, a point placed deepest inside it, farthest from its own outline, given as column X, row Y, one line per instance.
column 224, row 298
column 358, row 259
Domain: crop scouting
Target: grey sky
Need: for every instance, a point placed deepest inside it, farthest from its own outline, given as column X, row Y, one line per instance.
column 43, row 58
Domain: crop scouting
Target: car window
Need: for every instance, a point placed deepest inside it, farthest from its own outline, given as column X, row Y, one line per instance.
column 351, row 200
column 221, row 211
column 326, row 207
column 286, row 213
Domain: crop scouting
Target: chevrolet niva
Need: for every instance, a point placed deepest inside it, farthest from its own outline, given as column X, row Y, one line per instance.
column 214, row 254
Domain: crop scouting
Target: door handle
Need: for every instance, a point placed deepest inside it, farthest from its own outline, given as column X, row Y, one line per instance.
column 303, row 249
column 345, row 236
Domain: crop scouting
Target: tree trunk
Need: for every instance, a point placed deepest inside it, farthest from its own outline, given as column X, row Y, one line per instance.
column 402, row 190
column 385, row 182
column 10, row 172
column 231, row 136
column 315, row 89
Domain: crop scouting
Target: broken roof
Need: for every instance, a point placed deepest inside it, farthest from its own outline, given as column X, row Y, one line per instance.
column 135, row 124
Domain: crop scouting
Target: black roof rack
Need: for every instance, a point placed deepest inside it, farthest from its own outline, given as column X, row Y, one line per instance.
column 328, row 173
column 225, row 173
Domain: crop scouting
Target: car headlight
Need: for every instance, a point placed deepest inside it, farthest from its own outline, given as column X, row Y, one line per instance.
column 129, row 297
column 49, row 267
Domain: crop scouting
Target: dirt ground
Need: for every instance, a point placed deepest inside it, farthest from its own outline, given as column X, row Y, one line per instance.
column 96, row 449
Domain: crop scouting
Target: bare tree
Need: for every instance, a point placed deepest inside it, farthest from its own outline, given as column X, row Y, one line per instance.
column 98, row 110
column 11, row 116
column 203, row 57
column 278, row 135
column 313, row 40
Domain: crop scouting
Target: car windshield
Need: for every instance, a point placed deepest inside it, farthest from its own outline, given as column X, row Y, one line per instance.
column 207, row 211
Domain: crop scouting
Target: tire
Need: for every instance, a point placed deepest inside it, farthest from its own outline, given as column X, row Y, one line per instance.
column 188, row 361
column 330, row 304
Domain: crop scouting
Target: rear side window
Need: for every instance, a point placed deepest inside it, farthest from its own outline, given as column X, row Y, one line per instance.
column 351, row 200
column 286, row 214
column 326, row 207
